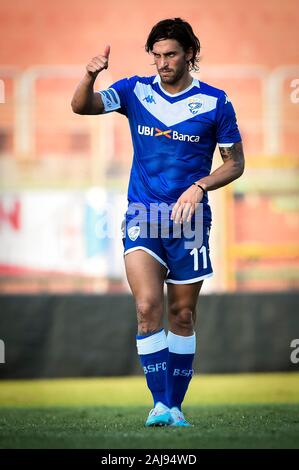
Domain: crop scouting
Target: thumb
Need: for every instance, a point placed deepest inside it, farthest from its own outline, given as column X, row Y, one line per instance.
column 107, row 51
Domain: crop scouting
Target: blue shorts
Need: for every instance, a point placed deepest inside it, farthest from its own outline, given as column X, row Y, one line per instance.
column 185, row 265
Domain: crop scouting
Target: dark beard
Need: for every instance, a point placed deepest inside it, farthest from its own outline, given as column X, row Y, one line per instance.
column 172, row 79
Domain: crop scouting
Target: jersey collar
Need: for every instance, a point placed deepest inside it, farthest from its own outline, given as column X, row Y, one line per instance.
column 195, row 82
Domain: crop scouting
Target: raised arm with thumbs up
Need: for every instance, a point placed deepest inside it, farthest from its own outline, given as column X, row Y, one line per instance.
column 85, row 101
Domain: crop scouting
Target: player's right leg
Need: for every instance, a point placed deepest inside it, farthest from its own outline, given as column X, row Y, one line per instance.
column 146, row 279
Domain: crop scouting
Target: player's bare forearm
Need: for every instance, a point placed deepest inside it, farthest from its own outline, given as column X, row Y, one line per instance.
column 231, row 169
column 85, row 101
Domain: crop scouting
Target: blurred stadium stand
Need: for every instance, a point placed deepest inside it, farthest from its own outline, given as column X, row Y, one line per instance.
column 83, row 335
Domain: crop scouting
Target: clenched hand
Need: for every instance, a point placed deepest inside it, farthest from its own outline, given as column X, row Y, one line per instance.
column 98, row 63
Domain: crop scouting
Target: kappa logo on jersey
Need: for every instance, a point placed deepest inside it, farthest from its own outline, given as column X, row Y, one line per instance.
column 227, row 100
column 134, row 232
column 149, row 99
column 194, row 105
column 168, row 133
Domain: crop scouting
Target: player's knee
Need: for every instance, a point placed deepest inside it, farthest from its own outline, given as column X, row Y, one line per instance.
column 183, row 317
column 149, row 315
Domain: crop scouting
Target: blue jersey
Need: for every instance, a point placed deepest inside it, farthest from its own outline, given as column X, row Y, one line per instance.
column 174, row 135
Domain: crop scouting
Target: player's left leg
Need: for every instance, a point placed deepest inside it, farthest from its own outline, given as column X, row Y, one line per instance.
column 146, row 276
column 182, row 299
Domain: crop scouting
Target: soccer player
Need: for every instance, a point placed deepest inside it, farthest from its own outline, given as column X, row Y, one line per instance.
column 176, row 121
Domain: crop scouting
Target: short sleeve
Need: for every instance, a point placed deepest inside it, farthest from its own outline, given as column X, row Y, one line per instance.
column 227, row 132
column 115, row 97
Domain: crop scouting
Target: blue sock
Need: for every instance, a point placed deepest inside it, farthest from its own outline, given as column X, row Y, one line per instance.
column 153, row 353
column 179, row 367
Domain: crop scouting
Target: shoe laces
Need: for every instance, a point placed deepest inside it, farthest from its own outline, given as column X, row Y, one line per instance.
column 179, row 415
column 155, row 411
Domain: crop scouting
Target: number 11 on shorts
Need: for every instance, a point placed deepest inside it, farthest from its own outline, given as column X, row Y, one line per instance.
column 195, row 255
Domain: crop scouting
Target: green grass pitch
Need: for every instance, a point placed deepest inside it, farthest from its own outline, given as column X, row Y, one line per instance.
column 227, row 411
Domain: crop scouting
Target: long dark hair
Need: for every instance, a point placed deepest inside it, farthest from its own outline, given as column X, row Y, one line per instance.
column 175, row 29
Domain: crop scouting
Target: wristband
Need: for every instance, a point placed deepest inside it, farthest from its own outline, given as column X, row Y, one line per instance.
column 203, row 190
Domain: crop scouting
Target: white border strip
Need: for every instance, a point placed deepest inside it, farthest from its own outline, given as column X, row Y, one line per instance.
column 225, row 145
column 189, row 281
column 150, row 252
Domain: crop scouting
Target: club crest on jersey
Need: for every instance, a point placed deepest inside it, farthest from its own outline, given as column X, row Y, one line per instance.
column 134, row 232
column 194, row 105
